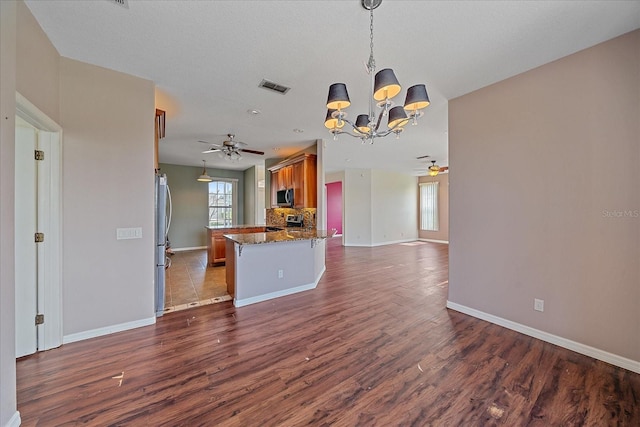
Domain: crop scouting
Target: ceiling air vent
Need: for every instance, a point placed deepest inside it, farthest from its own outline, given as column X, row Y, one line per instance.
column 266, row 84
column 123, row 3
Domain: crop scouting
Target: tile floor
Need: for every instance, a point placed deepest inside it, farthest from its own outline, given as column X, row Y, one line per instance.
column 190, row 283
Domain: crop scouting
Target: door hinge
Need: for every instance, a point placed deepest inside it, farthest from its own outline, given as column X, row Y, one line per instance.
column 39, row 319
column 39, row 237
column 39, row 155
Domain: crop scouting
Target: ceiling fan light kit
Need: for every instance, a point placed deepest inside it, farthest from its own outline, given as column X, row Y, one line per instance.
column 434, row 169
column 230, row 156
column 384, row 86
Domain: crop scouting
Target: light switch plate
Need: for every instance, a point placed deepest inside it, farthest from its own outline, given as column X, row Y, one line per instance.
column 128, row 233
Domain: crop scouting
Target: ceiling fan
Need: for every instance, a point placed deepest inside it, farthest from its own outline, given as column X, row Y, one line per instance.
column 230, row 148
column 433, row 169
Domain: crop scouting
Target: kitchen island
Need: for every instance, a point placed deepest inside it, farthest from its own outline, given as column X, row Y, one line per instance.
column 216, row 247
column 263, row 266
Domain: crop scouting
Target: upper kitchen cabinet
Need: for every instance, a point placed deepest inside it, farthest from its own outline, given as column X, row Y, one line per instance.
column 285, row 178
column 160, row 132
column 298, row 173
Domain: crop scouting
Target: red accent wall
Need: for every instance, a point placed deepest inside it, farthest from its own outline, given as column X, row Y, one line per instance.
column 334, row 206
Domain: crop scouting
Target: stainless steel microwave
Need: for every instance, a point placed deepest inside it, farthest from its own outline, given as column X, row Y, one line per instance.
column 285, row 198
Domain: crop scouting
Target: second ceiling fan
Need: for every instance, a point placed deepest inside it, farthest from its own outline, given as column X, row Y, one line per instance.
column 230, row 148
column 433, row 169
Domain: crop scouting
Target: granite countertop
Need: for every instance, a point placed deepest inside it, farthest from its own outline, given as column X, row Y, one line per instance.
column 226, row 227
column 285, row 235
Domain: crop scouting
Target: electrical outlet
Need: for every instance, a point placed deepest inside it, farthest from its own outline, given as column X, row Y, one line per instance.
column 280, row 274
column 538, row 304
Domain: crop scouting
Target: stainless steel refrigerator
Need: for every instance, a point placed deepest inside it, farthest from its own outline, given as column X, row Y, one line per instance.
column 162, row 224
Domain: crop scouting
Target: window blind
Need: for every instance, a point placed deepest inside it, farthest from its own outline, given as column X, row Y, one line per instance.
column 429, row 206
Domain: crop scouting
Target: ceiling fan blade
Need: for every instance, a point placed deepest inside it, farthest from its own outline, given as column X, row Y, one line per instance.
column 444, row 168
column 211, row 150
column 247, row 150
column 423, row 157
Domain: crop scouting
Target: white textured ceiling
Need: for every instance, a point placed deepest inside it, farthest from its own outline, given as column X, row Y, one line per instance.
column 207, row 58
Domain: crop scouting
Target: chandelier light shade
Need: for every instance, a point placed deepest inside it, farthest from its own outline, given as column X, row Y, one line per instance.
column 417, row 98
column 331, row 122
column 362, row 123
column 397, row 117
column 384, row 86
column 338, row 97
column 204, row 177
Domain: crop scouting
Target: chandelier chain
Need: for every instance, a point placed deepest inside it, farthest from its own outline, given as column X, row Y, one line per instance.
column 372, row 62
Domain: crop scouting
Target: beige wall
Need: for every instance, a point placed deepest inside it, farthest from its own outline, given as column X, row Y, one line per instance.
column 8, row 405
column 379, row 207
column 37, row 76
column 546, row 165
column 108, row 180
column 334, row 177
column 107, row 120
column 393, row 207
column 443, row 208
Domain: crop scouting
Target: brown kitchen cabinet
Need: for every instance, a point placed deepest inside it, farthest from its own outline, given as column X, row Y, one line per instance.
column 285, row 178
column 281, row 179
column 216, row 246
column 298, row 173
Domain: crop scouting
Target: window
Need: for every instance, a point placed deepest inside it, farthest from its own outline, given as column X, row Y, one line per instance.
column 429, row 206
column 222, row 202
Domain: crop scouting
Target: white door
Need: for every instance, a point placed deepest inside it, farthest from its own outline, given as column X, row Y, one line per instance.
column 25, row 246
column 38, row 208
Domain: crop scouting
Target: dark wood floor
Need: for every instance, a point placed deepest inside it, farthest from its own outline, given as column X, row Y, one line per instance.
column 373, row 345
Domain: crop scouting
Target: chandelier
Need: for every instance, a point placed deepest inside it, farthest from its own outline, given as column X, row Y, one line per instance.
column 384, row 86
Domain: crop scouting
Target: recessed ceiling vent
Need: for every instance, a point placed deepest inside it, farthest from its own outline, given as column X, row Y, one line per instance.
column 266, row 84
column 123, row 3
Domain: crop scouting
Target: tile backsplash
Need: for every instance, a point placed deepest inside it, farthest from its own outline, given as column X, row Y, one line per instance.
column 278, row 216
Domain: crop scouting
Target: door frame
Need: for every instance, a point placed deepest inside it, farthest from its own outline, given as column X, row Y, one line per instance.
column 50, row 269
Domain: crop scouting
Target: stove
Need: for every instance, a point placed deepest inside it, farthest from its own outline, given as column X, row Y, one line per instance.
column 296, row 220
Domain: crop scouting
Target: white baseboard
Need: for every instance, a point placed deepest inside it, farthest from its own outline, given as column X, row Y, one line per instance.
column 272, row 295
column 15, row 420
column 93, row 333
column 393, row 242
column 596, row 353
column 278, row 294
column 188, row 249
column 373, row 245
column 434, row 241
column 324, row 268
